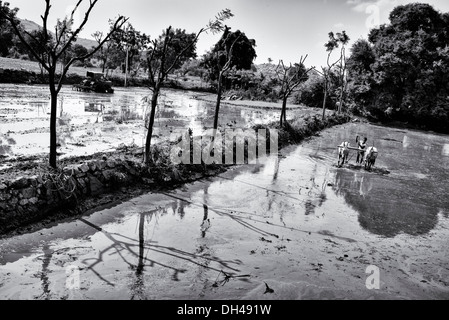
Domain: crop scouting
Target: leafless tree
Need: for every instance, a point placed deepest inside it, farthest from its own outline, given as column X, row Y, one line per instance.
column 53, row 51
column 159, row 66
column 290, row 77
column 222, row 72
column 331, row 45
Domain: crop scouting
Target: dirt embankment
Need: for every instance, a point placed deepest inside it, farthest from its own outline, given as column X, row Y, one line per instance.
column 31, row 192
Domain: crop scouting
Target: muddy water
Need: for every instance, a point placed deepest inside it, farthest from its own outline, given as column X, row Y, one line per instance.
column 296, row 223
column 91, row 122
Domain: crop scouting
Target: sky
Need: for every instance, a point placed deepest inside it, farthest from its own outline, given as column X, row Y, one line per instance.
column 283, row 29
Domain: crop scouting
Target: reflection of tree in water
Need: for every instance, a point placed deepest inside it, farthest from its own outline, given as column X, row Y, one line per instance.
column 272, row 196
column 127, row 247
column 166, row 113
column 64, row 128
column 41, row 108
column 316, row 192
column 389, row 210
column 177, row 207
column 128, row 114
column 138, row 286
column 205, row 225
column 46, row 258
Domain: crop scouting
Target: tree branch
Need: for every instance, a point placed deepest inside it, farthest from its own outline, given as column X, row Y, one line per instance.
column 45, row 20
column 229, row 56
column 121, row 20
column 194, row 41
column 78, row 30
column 15, row 25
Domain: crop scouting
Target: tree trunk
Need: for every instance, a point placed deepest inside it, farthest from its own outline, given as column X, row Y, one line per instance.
column 341, row 101
column 325, row 98
column 284, row 111
column 217, row 106
column 140, row 264
column 343, row 90
column 150, row 126
column 53, row 133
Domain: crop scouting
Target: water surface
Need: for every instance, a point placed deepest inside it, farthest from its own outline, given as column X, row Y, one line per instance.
column 296, row 222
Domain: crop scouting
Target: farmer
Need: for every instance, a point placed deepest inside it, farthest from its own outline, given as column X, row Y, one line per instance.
column 362, row 147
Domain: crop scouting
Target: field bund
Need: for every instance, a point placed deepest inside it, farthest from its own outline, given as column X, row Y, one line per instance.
column 56, row 193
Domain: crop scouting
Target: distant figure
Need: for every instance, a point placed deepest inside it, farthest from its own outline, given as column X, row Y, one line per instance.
column 362, row 147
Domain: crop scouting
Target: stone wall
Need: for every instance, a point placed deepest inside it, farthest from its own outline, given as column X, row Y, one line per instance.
column 28, row 199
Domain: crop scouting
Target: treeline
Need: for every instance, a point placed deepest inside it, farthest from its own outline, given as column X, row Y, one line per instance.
column 399, row 74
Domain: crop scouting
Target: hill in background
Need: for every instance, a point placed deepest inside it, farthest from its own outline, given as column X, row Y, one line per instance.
column 30, row 26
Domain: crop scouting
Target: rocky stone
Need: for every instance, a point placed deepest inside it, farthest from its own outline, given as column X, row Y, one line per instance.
column 28, row 193
column 33, row 201
column 2, row 186
column 83, row 168
column 4, row 196
column 23, row 202
column 19, row 183
column 95, row 186
column 111, row 164
column 101, row 165
column 130, row 170
column 92, row 166
column 108, row 175
column 81, row 174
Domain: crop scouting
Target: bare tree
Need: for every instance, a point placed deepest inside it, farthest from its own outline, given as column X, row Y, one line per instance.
column 331, row 45
column 53, row 51
column 290, row 78
column 161, row 61
column 105, row 48
column 222, row 72
column 342, row 39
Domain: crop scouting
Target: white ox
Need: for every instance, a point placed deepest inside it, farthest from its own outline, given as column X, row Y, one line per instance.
column 370, row 157
column 343, row 153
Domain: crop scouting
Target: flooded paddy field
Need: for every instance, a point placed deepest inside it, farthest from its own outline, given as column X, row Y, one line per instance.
column 294, row 223
column 91, row 122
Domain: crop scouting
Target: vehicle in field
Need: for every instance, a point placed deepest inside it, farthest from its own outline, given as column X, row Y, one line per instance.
column 96, row 82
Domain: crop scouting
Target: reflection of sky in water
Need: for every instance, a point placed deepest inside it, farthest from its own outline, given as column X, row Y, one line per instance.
column 408, row 199
column 30, row 106
column 25, row 102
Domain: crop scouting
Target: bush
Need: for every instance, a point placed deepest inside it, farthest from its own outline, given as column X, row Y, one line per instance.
column 312, row 95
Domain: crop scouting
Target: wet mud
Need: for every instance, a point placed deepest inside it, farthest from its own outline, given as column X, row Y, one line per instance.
column 294, row 226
